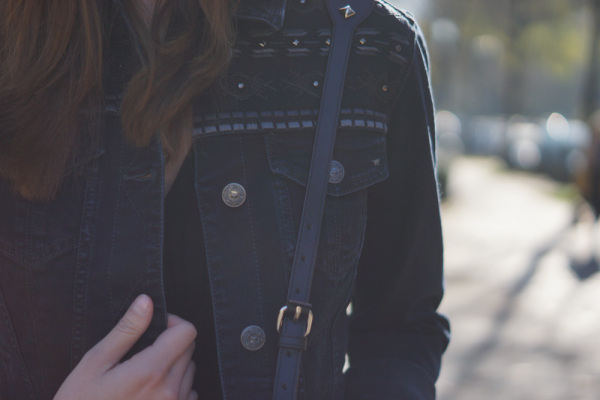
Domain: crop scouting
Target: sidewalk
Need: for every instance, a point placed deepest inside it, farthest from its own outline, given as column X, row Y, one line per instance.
column 524, row 326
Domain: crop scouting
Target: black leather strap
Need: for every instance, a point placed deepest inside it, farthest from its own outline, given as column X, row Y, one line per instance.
column 296, row 316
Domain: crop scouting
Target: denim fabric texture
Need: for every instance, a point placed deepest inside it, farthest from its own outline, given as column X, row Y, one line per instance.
column 70, row 267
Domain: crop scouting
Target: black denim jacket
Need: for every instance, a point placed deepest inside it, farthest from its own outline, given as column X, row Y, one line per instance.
column 69, row 268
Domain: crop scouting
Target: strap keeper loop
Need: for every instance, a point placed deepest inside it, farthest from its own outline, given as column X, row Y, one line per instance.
column 292, row 342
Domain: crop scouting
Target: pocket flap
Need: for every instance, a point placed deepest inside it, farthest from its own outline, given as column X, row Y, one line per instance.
column 359, row 155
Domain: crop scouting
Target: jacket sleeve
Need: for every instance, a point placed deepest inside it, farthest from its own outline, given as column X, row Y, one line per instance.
column 396, row 336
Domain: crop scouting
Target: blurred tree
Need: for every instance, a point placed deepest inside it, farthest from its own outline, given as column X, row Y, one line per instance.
column 590, row 92
column 514, row 56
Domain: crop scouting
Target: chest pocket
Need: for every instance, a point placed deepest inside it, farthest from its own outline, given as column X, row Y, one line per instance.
column 359, row 161
column 34, row 232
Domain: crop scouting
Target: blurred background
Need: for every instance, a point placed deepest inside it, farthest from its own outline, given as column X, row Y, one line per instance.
column 516, row 84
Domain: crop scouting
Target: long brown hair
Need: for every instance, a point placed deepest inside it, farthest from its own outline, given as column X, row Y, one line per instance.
column 50, row 68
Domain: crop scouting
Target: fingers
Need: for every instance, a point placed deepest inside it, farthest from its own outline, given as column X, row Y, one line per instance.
column 163, row 370
column 173, row 320
column 172, row 352
column 171, row 345
column 185, row 388
column 181, row 366
column 165, row 366
column 124, row 335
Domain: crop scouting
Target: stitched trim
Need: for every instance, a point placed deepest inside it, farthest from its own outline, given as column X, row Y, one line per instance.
column 290, row 120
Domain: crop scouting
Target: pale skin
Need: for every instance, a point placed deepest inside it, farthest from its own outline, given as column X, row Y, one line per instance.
column 162, row 371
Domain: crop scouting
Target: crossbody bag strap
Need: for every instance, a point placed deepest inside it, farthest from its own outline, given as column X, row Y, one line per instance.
column 295, row 318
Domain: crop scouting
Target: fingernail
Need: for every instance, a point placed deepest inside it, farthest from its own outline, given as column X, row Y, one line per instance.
column 141, row 305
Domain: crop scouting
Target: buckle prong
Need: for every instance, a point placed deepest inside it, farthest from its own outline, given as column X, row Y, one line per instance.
column 297, row 315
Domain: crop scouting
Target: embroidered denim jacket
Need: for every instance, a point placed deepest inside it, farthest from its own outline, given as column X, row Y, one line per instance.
column 69, row 268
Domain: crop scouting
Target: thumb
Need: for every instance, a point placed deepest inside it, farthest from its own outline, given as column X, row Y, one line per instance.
column 109, row 351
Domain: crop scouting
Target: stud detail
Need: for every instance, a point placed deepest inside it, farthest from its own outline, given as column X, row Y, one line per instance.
column 347, row 11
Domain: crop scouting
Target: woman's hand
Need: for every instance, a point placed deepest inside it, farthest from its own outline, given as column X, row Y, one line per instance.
column 161, row 371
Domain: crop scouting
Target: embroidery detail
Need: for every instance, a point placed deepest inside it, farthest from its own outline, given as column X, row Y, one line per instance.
column 306, row 7
column 300, row 43
column 290, row 120
column 301, row 84
column 372, row 85
column 397, row 45
column 242, row 86
column 380, row 57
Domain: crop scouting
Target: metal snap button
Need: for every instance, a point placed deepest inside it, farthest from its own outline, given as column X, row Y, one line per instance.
column 253, row 338
column 336, row 172
column 234, row 195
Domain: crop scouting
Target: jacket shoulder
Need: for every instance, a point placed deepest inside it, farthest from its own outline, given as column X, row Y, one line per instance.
column 401, row 26
column 395, row 19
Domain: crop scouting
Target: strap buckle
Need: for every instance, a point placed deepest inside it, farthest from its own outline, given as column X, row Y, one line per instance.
column 298, row 312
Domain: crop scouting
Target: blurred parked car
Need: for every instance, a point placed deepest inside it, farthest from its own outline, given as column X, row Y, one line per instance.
column 524, row 140
column 485, row 136
column 565, row 148
column 554, row 146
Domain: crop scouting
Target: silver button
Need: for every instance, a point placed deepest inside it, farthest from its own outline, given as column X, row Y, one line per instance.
column 234, row 195
column 253, row 338
column 336, row 172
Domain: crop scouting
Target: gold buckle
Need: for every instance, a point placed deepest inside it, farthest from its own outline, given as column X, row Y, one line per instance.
column 297, row 314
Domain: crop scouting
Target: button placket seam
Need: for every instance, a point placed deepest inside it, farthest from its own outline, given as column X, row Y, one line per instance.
column 254, row 250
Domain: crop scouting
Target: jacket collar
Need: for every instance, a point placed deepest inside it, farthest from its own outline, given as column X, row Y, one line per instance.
column 271, row 12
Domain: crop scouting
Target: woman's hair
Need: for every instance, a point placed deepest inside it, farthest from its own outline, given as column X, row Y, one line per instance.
column 51, row 70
